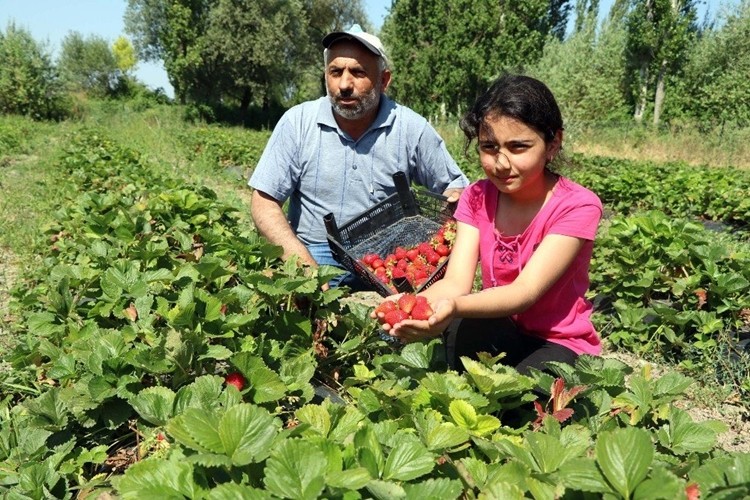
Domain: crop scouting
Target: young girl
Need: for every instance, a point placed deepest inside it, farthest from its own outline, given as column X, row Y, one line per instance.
column 532, row 232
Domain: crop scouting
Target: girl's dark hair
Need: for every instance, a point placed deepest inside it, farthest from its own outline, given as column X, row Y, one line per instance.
column 520, row 97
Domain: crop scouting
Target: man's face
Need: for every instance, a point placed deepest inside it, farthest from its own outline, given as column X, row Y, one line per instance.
column 353, row 80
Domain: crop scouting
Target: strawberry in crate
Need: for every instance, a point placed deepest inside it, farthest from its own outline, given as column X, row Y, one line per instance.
column 415, row 263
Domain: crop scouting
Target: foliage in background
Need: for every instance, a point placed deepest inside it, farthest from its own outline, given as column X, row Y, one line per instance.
column 242, row 51
column 586, row 73
column 715, row 90
column 29, row 83
column 445, row 53
column 89, row 65
column 660, row 33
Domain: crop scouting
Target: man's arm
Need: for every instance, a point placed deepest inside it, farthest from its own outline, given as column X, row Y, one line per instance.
column 271, row 222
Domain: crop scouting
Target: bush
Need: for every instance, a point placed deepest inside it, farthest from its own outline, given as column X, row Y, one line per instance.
column 28, row 80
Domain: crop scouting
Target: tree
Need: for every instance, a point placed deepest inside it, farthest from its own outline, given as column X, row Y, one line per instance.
column 586, row 72
column 29, row 83
column 445, row 53
column 660, row 32
column 124, row 52
column 233, row 51
column 715, row 88
column 88, row 65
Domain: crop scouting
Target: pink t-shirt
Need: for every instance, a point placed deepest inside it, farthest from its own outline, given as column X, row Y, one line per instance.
column 562, row 315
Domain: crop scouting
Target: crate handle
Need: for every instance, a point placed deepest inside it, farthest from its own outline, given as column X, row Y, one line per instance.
column 331, row 227
column 402, row 285
column 405, row 195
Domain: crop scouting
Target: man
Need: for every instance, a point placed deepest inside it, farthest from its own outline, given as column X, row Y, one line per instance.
column 338, row 154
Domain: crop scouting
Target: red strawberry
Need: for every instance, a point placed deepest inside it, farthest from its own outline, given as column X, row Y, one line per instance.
column 397, row 272
column 395, row 316
column 412, row 254
column 400, row 253
column 421, row 310
column 369, row 258
column 236, row 379
column 385, row 307
column 378, row 262
column 406, row 302
column 432, row 257
column 442, row 250
column 424, row 248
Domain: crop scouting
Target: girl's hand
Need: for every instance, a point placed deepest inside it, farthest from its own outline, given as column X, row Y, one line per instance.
column 412, row 330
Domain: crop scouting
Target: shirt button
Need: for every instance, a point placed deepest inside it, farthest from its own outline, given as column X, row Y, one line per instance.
column 354, row 167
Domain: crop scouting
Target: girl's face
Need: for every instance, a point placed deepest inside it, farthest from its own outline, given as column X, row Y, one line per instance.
column 513, row 155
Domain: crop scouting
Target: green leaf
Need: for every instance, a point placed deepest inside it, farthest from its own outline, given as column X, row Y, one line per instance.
column 296, row 470
column 157, row 480
column 233, row 491
column 463, row 414
column 247, row 433
column 624, row 456
column 683, row 436
column 197, row 429
column 265, row 384
column 385, row 490
column 369, row 451
column 436, row 434
column 49, row 410
column 486, row 424
column 317, row 417
column 661, row 484
column 415, row 355
column 408, row 461
column 547, row 451
column 350, row 479
column 154, row 404
column 443, row 488
column 583, row 474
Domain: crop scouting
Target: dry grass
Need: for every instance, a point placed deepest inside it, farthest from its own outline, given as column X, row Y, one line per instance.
column 718, row 147
column 715, row 148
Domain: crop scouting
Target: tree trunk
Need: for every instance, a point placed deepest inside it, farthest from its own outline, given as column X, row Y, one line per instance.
column 245, row 104
column 660, row 92
column 640, row 105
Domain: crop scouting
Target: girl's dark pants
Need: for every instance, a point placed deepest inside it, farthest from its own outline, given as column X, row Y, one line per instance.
column 468, row 336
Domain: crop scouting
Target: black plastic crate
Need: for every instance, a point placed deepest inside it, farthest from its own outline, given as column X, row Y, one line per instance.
column 406, row 218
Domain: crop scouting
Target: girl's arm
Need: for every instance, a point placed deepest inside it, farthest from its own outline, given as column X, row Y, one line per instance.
column 451, row 296
column 550, row 261
column 461, row 268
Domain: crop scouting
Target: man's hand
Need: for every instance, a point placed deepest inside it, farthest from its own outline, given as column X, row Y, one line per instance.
column 271, row 222
column 453, row 194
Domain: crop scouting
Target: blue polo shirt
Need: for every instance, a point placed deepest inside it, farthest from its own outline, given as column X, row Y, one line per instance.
column 314, row 164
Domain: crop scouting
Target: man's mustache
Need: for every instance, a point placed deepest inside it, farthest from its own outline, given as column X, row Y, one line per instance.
column 346, row 95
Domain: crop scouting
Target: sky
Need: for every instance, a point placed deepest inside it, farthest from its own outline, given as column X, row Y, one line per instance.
column 49, row 21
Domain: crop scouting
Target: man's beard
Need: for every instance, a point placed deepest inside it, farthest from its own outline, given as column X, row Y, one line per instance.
column 368, row 101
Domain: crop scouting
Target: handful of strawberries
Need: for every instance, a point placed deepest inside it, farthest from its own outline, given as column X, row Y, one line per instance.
column 408, row 306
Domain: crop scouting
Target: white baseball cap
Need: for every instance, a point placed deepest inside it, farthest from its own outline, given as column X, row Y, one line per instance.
column 371, row 42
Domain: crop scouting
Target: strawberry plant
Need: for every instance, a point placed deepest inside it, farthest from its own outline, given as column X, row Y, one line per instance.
column 150, row 299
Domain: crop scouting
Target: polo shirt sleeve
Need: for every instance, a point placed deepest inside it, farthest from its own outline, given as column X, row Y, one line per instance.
column 277, row 172
column 436, row 169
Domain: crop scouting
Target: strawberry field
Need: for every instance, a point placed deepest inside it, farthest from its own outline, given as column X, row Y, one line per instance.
column 159, row 348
